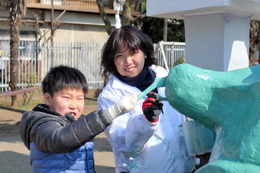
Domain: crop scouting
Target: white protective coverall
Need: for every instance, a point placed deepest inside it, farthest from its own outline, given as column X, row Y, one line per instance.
column 140, row 146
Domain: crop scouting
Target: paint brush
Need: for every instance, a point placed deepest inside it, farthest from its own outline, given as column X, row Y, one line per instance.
column 158, row 82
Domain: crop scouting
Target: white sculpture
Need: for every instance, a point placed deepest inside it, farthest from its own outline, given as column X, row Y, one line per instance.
column 118, row 20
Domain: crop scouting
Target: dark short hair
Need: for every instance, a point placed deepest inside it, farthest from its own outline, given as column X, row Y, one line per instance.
column 61, row 77
column 128, row 37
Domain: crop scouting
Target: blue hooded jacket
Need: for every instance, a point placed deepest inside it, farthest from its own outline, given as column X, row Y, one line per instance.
column 79, row 161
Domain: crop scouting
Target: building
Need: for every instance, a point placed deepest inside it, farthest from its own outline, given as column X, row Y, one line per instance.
column 81, row 33
column 78, row 20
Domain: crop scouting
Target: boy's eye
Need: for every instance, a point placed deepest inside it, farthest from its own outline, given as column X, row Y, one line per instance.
column 81, row 98
column 66, row 97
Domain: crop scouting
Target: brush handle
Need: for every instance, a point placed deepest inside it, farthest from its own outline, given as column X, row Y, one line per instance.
column 158, row 82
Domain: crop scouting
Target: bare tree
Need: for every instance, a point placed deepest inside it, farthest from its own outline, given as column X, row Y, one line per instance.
column 104, row 17
column 17, row 9
column 126, row 15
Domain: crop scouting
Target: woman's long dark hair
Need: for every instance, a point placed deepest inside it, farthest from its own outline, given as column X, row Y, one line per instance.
column 126, row 37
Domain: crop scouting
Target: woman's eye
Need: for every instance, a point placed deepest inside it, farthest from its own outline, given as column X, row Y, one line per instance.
column 119, row 56
column 135, row 51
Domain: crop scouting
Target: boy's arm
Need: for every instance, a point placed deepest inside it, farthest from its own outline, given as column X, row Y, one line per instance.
column 52, row 137
column 55, row 134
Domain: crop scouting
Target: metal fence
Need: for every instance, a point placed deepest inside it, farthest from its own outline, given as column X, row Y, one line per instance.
column 172, row 52
column 35, row 59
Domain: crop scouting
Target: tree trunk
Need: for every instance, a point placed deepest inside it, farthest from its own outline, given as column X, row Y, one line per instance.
column 128, row 7
column 104, row 17
column 15, row 24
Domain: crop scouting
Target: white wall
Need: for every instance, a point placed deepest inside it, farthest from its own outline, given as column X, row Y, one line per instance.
column 213, row 42
column 80, row 27
column 78, row 33
column 177, row 8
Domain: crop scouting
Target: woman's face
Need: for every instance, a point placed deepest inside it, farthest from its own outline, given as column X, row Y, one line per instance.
column 129, row 63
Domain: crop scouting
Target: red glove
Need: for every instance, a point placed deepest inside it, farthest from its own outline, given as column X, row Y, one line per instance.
column 152, row 107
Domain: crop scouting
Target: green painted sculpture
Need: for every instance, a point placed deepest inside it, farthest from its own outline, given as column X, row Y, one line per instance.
column 227, row 103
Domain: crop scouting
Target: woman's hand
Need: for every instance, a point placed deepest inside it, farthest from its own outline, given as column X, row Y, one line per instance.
column 152, row 107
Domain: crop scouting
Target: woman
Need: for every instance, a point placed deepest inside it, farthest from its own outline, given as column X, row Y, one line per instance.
column 140, row 145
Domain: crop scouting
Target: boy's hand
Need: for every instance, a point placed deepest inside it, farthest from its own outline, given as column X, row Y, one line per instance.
column 125, row 104
column 152, row 107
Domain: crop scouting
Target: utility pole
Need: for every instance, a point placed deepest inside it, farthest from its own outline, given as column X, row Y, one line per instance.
column 165, row 33
column 165, row 29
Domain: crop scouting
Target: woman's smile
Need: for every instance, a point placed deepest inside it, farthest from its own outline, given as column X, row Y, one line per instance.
column 130, row 69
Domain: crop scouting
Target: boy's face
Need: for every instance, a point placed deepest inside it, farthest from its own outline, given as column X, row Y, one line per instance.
column 65, row 101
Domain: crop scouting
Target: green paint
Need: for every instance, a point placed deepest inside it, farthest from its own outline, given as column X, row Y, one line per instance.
column 158, row 139
column 227, row 103
column 158, row 82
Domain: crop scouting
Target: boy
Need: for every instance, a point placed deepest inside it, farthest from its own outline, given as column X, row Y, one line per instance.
column 58, row 138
